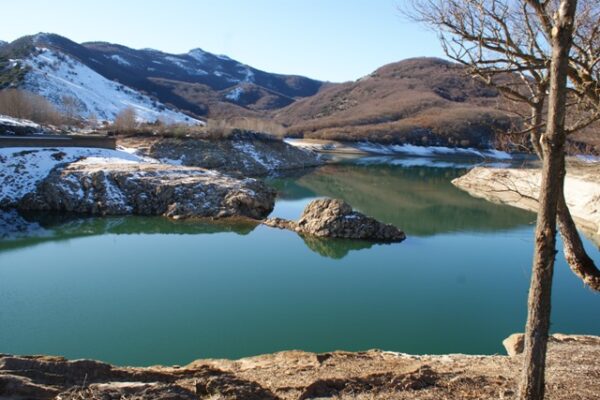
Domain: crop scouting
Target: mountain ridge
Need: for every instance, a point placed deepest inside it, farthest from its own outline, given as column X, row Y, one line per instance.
column 419, row 101
column 192, row 82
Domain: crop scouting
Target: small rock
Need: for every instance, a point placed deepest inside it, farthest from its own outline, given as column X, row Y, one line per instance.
column 514, row 344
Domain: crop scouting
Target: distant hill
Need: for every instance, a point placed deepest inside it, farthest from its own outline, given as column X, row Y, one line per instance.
column 420, row 101
column 197, row 83
column 423, row 101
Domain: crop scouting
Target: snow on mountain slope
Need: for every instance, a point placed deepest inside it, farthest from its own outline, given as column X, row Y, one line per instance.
column 10, row 121
column 55, row 76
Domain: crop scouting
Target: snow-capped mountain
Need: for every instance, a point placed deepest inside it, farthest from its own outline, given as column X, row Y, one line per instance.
column 105, row 77
column 56, row 77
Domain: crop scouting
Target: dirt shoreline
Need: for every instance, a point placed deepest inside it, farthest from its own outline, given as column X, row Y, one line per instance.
column 520, row 188
column 573, row 372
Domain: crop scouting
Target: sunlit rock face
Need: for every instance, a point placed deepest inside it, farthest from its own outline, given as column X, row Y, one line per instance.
column 335, row 219
column 244, row 156
column 149, row 189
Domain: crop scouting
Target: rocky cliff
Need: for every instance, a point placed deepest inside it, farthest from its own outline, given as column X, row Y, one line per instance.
column 149, row 189
column 520, row 188
column 109, row 182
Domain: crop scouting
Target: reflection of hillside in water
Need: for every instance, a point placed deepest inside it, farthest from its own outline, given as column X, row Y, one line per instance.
column 22, row 230
column 420, row 200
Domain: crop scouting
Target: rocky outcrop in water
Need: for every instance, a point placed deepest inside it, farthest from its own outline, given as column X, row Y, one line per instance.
column 519, row 187
column 572, row 368
column 149, row 189
column 241, row 155
column 332, row 218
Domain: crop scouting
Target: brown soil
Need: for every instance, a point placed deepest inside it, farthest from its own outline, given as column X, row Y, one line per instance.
column 573, row 373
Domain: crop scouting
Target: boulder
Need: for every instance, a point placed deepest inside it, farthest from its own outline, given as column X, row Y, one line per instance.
column 332, row 218
column 514, row 344
column 149, row 189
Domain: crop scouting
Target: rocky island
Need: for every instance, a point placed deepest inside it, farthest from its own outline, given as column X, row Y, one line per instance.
column 333, row 218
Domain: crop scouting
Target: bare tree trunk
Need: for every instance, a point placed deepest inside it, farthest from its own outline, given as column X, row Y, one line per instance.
column 537, row 118
column 577, row 258
column 553, row 173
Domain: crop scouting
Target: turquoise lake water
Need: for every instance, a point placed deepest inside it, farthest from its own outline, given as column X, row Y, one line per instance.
column 142, row 291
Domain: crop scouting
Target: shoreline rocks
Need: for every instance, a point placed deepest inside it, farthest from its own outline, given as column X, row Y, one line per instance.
column 572, row 367
column 243, row 156
column 148, row 189
column 520, row 188
column 332, row 218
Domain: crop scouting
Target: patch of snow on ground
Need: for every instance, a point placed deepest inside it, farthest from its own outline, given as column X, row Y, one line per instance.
column 430, row 151
column 425, row 162
column 120, row 60
column 55, row 76
column 235, row 94
column 6, row 120
column 249, row 75
column 183, row 64
column 198, row 55
column 21, row 169
column 588, row 158
column 172, row 161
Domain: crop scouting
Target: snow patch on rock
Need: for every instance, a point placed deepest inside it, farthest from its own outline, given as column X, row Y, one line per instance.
column 247, row 147
column 21, row 169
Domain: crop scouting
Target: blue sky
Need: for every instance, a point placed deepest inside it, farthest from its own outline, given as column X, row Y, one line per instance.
column 325, row 39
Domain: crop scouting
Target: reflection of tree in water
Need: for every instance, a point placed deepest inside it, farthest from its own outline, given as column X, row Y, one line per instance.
column 334, row 248
column 26, row 229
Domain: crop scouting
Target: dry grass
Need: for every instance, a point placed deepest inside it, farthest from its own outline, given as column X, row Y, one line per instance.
column 215, row 129
column 419, row 101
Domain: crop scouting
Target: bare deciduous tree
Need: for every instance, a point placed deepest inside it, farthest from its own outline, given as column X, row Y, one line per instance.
column 21, row 104
column 126, row 120
column 529, row 50
column 70, row 107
